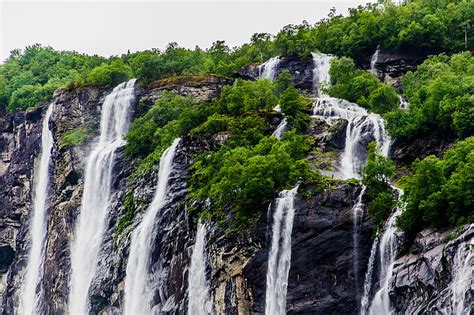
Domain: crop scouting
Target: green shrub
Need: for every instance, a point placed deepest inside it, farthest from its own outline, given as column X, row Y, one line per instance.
column 110, row 74
column 376, row 176
column 75, row 137
column 439, row 193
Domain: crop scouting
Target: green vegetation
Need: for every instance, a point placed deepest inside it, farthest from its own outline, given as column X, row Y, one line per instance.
column 376, row 177
column 30, row 77
column 75, row 137
column 441, row 97
column 361, row 87
column 247, row 167
column 440, row 192
column 245, row 179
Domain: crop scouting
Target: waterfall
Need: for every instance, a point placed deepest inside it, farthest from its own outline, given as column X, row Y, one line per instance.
column 373, row 61
column 90, row 225
column 361, row 124
column 138, row 291
column 268, row 70
column 387, row 250
column 30, row 293
column 364, row 303
column 279, row 258
column 282, row 126
column 358, row 214
column 403, row 104
column 321, row 79
column 463, row 263
column 199, row 300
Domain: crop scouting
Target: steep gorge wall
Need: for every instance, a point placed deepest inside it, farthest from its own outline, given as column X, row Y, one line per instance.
column 321, row 277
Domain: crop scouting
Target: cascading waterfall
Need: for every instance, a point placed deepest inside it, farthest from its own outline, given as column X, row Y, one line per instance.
column 268, row 70
column 403, row 104
column 364, row 302
column 114, row 123
column 373, row 61
column 279, row 259
column 360, row 124
column 387, row 251
column 322, row 64
column 463, row 263
column 199, row 299
column 358, row 213
column 30, row 296
column 278, row 133
column 138, row 290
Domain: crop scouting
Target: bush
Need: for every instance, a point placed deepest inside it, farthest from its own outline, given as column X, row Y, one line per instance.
column 75, row 137
column 440, row 96
column 439, row 193
column 110, row 74
column 376, row 176
column 360, row 87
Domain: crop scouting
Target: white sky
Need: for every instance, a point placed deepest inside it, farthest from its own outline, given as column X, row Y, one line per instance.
column 107, row 27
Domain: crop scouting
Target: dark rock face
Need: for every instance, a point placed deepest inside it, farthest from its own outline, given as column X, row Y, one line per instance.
column 404, row 152
column 301, row 70
column 321, row 276
column 19, row 145
column 391, row 65
column 433, row 277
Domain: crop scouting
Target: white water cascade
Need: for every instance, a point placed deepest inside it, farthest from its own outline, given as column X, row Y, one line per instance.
column 373, row 61
column 279, row 258
column 30, row 296
column 268, row 70
column 361, row 124
column 387, row 251
column 358, row 215
column 463, row 265
column 321, row 79
column 138, row 289
column 278, row 133
column 199, row 299
column 114, row 123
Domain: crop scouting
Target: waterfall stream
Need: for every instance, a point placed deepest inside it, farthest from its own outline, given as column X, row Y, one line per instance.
column 281, row 128
column 279, row 258
column 373, row 61
column 199, row 299
column 358, row 215
column 268, row 70
column 321, row 79
column 388, row 245
column 30, row 295
column 114, row 123
column 138, row 291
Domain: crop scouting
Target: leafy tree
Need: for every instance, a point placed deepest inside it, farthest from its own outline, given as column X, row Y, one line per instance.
column 439, row 193
column 284, row 81
column 110, row 74
column 290, row 102
column 376, row 176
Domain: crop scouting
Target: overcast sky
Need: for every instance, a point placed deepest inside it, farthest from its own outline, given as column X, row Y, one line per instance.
column 107, row 27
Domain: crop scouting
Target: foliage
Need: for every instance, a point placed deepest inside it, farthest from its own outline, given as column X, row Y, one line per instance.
column 361, row 87
column 170, row 117
column 245, row 179
column 284, row 81
column 75, row 137
column 246, row 96
column 440, row 94
column 110, row 74
column 29, row 77
column 376, row 177
column 291, row 102
column 439, row 193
